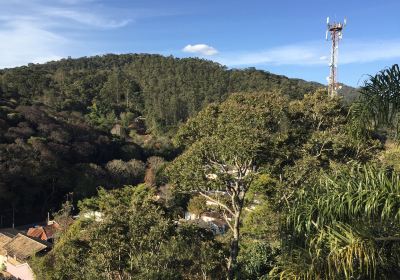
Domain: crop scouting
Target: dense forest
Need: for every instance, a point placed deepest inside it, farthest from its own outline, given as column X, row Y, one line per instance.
column 55, row 122
column 165, row 90
column 307, row 184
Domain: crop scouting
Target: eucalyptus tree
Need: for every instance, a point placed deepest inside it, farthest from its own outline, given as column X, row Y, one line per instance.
column 226, row 145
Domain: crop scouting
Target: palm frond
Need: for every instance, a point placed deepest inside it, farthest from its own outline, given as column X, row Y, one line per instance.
column 344, row 227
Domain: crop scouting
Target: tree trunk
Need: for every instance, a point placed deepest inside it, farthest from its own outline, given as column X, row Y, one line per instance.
column 234, row 250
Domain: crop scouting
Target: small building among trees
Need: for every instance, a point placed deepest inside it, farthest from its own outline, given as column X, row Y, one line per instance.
column 16, row 250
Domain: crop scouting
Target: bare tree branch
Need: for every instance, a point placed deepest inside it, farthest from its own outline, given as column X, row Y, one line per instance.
column 227, row 220
column 217, row 202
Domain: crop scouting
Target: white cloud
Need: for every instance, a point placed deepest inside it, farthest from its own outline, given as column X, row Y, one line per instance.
column 24, row 42
column 202, row 49
column 85, row 18
column 309, row 53
column 315, row 53
column 39, row 31
column 42, row 30
column 363, row 52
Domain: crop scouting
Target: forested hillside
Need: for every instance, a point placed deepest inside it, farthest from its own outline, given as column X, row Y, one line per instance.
column 263, row 187
column 165, row 90
column 55, row 120
column 168, row 168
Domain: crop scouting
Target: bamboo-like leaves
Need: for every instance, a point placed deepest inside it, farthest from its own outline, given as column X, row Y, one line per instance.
column 346, row 226
column 379, row 105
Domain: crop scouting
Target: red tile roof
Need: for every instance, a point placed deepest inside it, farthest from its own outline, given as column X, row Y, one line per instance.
column 43, row 233
column 37, row 232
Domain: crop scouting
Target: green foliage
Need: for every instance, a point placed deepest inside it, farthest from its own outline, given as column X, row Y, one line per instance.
column 55, row 120
column 154, row 172
column 132, row 240
column 197, row 205
column 227, row 145
column 90, row 177
column 126, row 173
column 126, row 119
column 262, row 188
column 166, row 90
column 100, row 118
column 261, row 222
column 120, row 91
column 320, row 140
column 247, row 129
column 379, row 105
column 256, row 259
column 293, row 142
column 345, row 227
column 390, row 157
column 45, row 154
column 160, row 146
column 262, row 156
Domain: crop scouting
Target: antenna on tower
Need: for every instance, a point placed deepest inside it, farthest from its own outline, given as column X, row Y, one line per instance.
column 336, row 34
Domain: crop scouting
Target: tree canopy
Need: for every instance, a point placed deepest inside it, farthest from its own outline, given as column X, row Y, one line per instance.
column 184, row 169
column 131, row 239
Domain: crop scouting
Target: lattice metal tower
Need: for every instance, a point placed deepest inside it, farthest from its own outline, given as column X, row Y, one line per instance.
column 335, row 32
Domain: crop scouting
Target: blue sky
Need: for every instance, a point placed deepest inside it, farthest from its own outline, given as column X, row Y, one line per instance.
column 283, row 37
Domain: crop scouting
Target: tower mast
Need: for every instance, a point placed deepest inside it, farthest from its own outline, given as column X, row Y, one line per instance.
column 335, row 32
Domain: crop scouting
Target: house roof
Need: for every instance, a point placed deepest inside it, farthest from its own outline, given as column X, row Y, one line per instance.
column 4, row 239
column 37, row 232
column 43, row 233
column 23, row 247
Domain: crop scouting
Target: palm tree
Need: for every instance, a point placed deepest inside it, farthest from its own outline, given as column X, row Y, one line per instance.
column 345, row 227
column 379, row 103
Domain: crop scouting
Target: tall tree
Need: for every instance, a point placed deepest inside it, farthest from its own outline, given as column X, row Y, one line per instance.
column 226, row 146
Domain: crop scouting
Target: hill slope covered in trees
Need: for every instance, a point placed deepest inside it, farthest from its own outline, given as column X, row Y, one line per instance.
column 55, row 120
column 302, row 185
column 165, row 90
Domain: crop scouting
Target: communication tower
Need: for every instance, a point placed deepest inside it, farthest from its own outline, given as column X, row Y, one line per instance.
column 334, row 33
